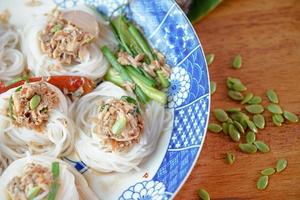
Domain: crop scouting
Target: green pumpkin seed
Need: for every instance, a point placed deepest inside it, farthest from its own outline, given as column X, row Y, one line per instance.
column 251, row 126
column 230, row 158
column 261, row 146
column 255, row 100
column 268, row 171
column 237, row 62
column 237, row 116
column 259, row 121
column 248, row 148
column 220, row 115
column 225, row 127
column 281, row 165
column 262, row 182
column 34, row 101
column 272, row 96
column 238, row 126
column 274, row 108
column 237, row 96
column 233, row 110
column 213, row 87
column 290, row 116
column 239, row 87
column 203, row 194
column 209, row 58
column 250, row 137
column 232, row 81
column 244, row 123
column 255, row 109
column 229, row 120
column 215, row 128
column 234, row 134
column 277, row 119
column 247, row 98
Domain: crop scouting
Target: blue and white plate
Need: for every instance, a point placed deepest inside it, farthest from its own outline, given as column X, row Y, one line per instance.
column 169, row 31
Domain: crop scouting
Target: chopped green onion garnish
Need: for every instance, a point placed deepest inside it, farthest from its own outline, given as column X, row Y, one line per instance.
column 56, row 28
column 119, row 125
column 55, row 185
column 33, row 192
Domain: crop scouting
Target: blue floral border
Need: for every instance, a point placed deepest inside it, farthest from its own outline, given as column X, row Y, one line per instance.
column 169, row 31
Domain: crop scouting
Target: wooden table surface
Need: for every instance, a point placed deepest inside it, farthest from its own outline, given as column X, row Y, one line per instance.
column 267, row 35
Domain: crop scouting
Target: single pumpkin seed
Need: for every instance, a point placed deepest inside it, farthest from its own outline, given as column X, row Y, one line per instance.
column 213, row 87
column 34, row 101
column 220, row 115
column 225, row 127
column 250, row 137
column 237, row 62
column 243, row 122
column 262, row 182
column 290, row 116
column 255, row 109
column 233, row 132
column 247, row 98
column 240, row 87
column 274, row 108
column 277, row 119
column 259, row 121
column 232, row 81
column 248, row 148
column 281, row 165
column 233, row 110
column 261, row 146
column 229, row 120
column 255, row 100
column 215, row 128
column 251, row 126
column 272, row 96
column 203, row 194
column 268, row 171
column 238, row 126
column 237, row 96
column 230, row 158
column 209, row 58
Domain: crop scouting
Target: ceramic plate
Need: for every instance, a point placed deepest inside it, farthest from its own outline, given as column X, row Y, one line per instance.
column 169, row 31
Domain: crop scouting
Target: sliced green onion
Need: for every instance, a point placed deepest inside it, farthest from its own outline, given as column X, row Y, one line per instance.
column 33, row 192
column 55, row 170
column 10, row 107
column 129, row 99
column 147, row 81
column 16, row 80
column 150, row 91
column 113, row 76
column 119, row 124
column 141, row 41
column 55, row 185
column 163, row 79
column 115, row 64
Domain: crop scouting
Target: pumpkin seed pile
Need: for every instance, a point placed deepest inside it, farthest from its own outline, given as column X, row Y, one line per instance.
column 245, row 121
column 263, row 180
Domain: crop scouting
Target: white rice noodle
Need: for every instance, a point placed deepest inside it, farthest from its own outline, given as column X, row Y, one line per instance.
column 4, row 162
column 56, row 139
column 90, row 148
column 72, row 184
column 93, row 66
column 11, row 59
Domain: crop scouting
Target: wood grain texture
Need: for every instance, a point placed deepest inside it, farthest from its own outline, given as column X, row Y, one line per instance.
column 267, row 35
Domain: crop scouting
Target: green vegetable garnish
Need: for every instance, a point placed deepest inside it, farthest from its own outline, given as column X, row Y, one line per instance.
column 119, row 124
column 55, row 184
column 164, row 81
column 33, row 192
column 56, row 28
